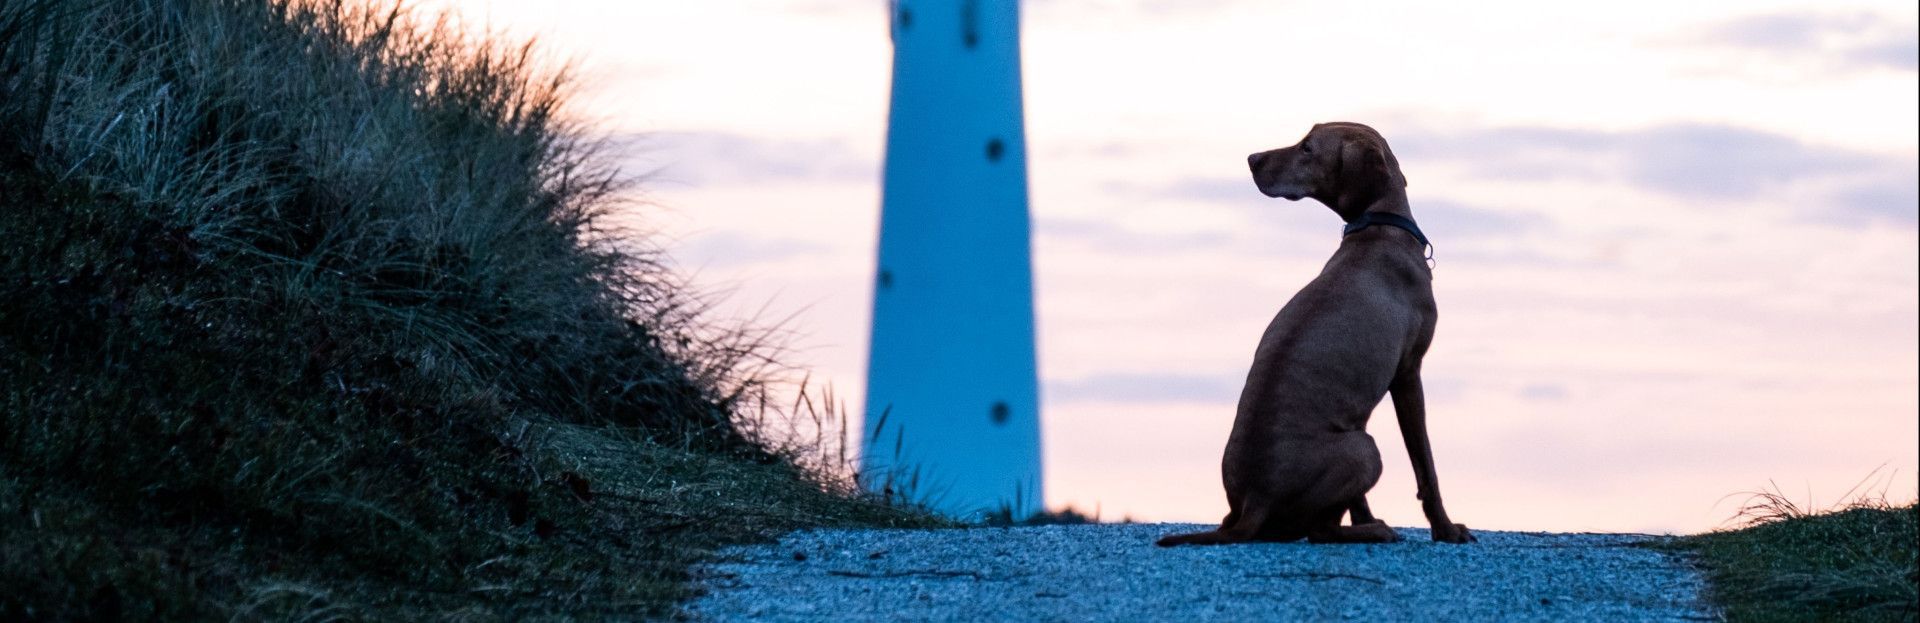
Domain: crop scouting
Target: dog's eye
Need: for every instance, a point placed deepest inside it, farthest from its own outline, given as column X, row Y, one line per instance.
column 1306, row 147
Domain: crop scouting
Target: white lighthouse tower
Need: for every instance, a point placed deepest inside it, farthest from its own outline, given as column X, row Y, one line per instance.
column 952, row 408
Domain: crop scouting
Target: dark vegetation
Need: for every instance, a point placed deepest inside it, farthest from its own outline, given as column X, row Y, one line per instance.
column 1792, row 562
column 1003, row 517
column 312, row 309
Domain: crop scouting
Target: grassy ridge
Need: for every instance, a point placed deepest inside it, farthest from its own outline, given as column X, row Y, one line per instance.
column 311, row 309
column 1859, row 562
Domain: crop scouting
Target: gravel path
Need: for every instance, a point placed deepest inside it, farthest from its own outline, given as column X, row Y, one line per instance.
column 1114, row 573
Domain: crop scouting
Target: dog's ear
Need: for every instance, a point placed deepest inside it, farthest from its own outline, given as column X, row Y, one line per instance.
column 1363, row 168
column 1367, row 167
column 1394, row 178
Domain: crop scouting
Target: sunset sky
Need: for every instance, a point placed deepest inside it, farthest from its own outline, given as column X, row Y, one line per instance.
column 1676, row 241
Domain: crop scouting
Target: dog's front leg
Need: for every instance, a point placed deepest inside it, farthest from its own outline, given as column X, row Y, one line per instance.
column 1410, row 406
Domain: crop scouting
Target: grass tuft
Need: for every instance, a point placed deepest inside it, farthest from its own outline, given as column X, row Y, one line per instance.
column 313, row 309
column 1786, row 561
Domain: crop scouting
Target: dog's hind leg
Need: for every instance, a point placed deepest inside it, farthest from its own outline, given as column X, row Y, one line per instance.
column 1360, row 513
column 1353, row 466
column 1376, row 532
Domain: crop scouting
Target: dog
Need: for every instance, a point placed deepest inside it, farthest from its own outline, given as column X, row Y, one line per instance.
column 1299, row 456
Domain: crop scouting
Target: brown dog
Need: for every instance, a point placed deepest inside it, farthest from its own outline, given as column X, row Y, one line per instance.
column 1299, row 456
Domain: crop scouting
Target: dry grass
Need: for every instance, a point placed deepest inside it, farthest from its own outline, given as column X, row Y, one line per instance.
column 1771, row 504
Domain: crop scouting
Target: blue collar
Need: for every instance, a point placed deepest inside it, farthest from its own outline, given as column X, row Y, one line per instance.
column 1369, row 219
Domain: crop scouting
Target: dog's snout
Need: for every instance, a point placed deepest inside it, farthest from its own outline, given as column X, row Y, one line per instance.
column 1254, row 160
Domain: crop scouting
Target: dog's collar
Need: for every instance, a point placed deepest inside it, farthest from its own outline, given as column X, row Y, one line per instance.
column 1369, row 219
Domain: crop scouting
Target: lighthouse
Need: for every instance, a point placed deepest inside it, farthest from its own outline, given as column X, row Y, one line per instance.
column 952, row 406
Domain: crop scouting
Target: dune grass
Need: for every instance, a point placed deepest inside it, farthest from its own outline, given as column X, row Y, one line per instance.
column 1789, row 561
column 313, row 309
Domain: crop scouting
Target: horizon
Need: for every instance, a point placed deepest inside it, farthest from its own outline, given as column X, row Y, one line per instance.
column 1677, row 261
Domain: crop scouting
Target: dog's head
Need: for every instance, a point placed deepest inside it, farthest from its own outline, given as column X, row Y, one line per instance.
column 1340, row 164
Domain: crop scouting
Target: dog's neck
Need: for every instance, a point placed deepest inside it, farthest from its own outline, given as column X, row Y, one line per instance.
column 1395, row 203
column 1390, row 210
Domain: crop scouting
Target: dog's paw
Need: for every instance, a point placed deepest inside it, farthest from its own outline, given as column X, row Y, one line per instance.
column 1386, row 532
column 1453, row 533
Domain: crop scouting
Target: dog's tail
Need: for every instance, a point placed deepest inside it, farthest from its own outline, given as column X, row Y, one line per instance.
column 1238, row 527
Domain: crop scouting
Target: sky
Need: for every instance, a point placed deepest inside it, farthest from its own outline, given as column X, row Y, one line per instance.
column 1675, row 241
